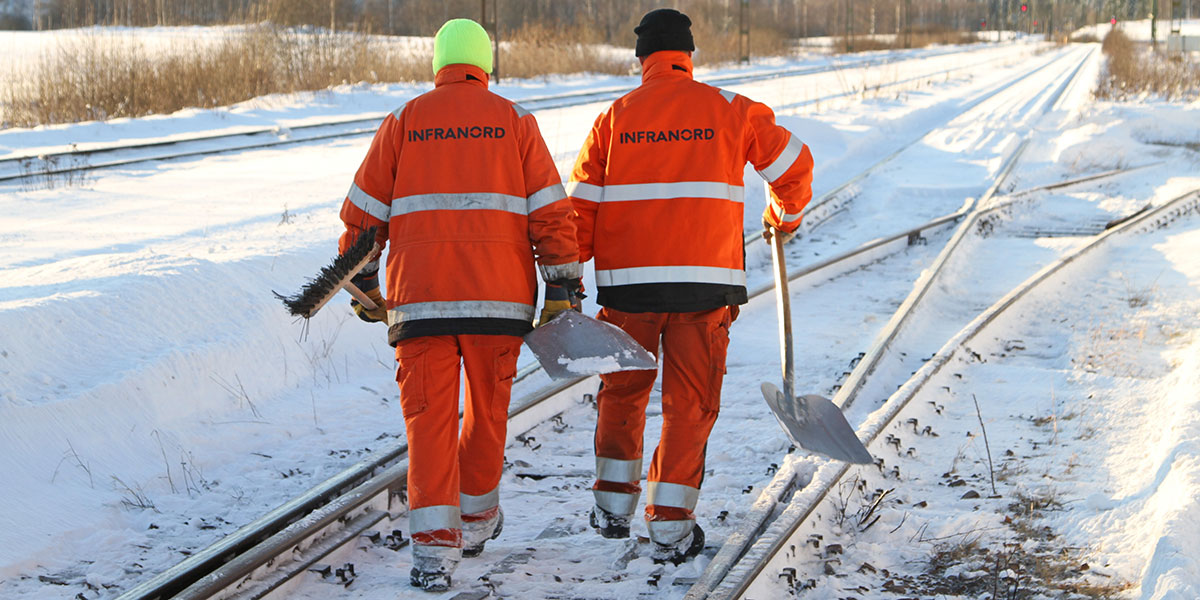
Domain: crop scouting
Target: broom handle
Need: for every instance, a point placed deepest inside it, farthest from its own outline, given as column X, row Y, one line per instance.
column 362, row 298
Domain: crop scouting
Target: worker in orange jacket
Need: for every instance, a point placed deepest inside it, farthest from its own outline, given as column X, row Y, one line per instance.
column 658, row 195
column 462, row 186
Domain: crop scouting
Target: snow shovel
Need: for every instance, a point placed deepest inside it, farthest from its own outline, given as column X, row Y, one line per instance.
column 812, row 422
column 573, row 344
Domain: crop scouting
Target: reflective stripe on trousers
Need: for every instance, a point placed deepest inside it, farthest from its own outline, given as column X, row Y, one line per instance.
column 616, row 489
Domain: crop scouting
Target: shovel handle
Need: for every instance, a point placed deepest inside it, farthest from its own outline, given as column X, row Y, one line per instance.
column 783, row 304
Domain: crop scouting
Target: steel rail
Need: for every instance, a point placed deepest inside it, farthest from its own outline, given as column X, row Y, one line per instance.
column 806, row 501
column 825, row 207
column 219, row 562
column 24, row 169
column 847, row 393
column 734, row 552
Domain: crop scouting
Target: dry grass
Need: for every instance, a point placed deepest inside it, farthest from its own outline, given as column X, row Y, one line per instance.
column 98, row 77
column 537, row 50
column 103, row 77
column 918, row 38
column 1134, row 71
column 1029, row 561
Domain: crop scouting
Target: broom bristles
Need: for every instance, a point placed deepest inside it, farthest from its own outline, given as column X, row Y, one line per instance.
column 332, row 278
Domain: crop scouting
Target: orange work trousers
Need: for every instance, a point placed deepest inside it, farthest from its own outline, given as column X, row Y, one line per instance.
column 693, row 366
column 453, row 477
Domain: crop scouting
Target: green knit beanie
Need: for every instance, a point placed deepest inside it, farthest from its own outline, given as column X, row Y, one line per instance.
column 462, row 42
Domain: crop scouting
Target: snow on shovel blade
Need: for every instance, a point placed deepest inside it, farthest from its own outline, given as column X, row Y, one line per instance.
column 817, row 425
column 573, row 344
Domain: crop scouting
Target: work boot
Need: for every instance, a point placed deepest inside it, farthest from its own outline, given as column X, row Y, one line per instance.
column 609, row 525
column 432, row 566
column 477, row 533
column 687, row 547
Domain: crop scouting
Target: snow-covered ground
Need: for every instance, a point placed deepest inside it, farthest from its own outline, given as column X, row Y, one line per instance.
column 154, row 395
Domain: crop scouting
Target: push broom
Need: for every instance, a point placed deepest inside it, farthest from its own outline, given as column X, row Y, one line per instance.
column 334, row 277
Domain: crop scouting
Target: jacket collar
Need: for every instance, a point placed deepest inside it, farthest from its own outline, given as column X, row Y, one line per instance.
column 460, row 73
column 667, row 63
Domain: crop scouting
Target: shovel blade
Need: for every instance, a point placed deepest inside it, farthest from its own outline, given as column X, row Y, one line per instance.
column 817, row 425
column 574, row 344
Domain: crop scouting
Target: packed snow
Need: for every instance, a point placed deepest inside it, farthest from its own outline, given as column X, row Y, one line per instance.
column 154, row 395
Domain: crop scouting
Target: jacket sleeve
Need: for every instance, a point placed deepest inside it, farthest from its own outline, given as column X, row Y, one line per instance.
column 369, row 201
column 783, row 161
column 586, row 185
column 551, row 231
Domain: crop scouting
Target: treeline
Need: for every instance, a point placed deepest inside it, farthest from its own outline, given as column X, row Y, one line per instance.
column 607, row 21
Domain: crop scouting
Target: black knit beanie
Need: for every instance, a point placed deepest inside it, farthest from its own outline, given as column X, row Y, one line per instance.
column 664, row 29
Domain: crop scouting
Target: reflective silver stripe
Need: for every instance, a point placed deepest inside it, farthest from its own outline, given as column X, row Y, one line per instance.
column 473, row 201
column 368, row 203
column 688, row 274
column 545, row 197
column 460, row 310
column 661, row 493
column 792, row 218
column 616, row 503
column 521, row 112
column 728, row 95
column 571, row 270
column 678, row 189
column 440, row 554
column 476, row 504
column 620, row 471
column 585, row 191
column 784, row 161
column 430, row 518
column 669, row 532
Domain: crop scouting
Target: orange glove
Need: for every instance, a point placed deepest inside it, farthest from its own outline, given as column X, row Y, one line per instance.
column 770, row 231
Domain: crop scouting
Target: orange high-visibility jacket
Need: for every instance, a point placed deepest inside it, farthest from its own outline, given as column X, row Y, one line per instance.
column 459, row 181
column 658, row 192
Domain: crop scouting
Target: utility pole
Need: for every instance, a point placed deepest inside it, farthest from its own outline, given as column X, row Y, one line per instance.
column 744, row 31
column 908, row 23
column 495, row 34
column 849, row 29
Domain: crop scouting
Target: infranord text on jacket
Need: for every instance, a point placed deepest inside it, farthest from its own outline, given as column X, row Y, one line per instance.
column 669, row 135
column 454, row 133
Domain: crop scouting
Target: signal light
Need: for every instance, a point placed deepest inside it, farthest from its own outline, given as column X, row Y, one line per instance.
column 1024, row 7
column 1113, row 21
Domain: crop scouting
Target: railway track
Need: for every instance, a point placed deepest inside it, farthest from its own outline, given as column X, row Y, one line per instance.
column 767, row 562
column 341, row 510
column 75, row 161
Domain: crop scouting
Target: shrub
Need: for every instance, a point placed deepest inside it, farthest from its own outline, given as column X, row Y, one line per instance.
column 1133, row 71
